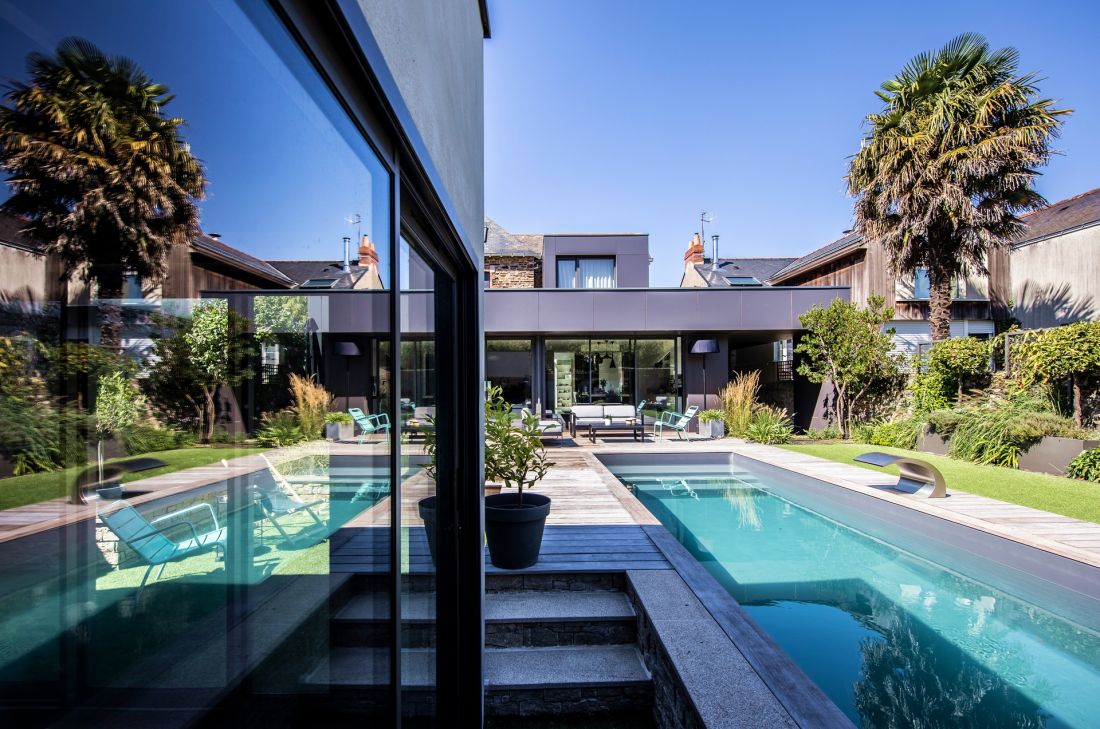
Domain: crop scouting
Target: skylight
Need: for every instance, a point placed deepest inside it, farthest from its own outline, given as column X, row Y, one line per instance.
column 742, row 281
column 319, row 283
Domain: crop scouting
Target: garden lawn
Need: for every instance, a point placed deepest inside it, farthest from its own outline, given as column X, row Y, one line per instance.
column 1066, row 496
column 37, row 487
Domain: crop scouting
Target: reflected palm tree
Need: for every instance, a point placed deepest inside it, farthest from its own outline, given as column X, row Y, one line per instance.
column 742, row 499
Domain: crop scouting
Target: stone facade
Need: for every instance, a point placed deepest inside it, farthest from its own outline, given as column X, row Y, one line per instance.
column 514, row 272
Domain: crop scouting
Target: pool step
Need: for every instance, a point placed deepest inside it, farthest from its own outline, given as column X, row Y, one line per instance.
column 512, row 619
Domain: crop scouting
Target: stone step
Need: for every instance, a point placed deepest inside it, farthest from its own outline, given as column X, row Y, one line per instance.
column 512, row 619
column 506, row 670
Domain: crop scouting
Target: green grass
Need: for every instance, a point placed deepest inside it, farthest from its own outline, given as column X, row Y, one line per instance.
column 1066, row 496
column 38, row 487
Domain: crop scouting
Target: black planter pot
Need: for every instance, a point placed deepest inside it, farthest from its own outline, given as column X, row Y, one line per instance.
column 514, row 532
column 426, row 507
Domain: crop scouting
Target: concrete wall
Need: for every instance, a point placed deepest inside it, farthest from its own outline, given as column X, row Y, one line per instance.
column 434, row 51
column 1057, row 281
column 631, row 254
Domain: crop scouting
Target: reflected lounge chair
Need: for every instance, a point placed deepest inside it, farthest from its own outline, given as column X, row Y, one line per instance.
column 279, row 499
column 369, row 424
column 152, row 543
column 672, row 420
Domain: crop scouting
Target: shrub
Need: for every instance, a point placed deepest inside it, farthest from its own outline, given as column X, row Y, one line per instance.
column 119, row 404
column 863, row 432
column 997, row 430
column 829, row 432
column 769, row 425
column 280, row 429
column 708, row 416
column 899, row 433
column 931, row 391
column 958, row 360
column 311, row 401
column 340, row 418
column 738, row 401
column 1085, row 466
column 944, row 422
column 149, row 439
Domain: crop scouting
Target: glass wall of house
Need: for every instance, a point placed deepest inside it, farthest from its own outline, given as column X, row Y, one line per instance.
column 200, row 449
column 509, row 366
column 611, row 370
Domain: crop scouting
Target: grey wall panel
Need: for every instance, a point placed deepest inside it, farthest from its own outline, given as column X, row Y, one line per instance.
column 619, row 311
column 516, row 312
column 667, row 310
column 768, row 309
column 566, row 311
column 433, row 49
column 632, row 270
column 723, row 312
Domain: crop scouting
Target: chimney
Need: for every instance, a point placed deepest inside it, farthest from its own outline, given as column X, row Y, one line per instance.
column 714, row 257
column 347, row 254
column 368, row 256
column 695, row 253
column 371, row 278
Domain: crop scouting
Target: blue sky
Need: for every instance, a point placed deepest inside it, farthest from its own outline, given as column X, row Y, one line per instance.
column 619, row 115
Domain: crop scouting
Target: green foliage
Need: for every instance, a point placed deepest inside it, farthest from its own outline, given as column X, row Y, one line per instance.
column 275, row 315
column 119, row 404
column 846, row 345
column 173, row 383
column 1085, row 466
column 955, row 362
column 738, row 401
column 280, row 429
column 898, row 433
column 948, row 163
column 708, row 416
column 829, row 432
column 140, row 439
column 218, row 347
column 995, row 431
column 944, row 422
column 514, row 453
column 931, row 391
column 341, row 418
column 863, row 432
column 1068, row 352
column 311, row 401
column 770, row 425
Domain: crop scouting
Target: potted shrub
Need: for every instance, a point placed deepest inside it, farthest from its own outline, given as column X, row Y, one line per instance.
column 712, row 423
column 514, row 455
column 339, row 426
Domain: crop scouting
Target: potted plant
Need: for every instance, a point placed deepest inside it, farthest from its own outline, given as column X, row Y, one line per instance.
column 712, row 423
column 515, row 456
column 339, row 426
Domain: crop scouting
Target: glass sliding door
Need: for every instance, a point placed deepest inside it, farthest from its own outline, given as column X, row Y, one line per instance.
column 508, row 365
column 656, row 372
column 567, row 373
column 612, row 370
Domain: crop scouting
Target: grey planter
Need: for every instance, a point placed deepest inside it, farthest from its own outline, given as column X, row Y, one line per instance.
column 339, row 431
column 1052, row 455
column 714, row 428
column 930, row 442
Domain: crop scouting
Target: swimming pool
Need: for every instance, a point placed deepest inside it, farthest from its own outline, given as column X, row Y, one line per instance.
column 901, row 618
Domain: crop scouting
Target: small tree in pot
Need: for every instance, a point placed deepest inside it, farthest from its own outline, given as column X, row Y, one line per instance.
column 515, row 456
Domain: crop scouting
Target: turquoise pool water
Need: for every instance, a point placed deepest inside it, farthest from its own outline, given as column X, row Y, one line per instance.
column 894, row 638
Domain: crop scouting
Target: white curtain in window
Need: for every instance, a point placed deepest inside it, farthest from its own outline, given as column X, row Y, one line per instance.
column 597, row 273
column 567, row 273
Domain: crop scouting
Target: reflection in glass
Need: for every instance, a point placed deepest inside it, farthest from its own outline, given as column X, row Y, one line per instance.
column 508, row 366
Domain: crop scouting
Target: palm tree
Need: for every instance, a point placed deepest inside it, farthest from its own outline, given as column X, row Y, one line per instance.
column 949, row 163
column 102, row 177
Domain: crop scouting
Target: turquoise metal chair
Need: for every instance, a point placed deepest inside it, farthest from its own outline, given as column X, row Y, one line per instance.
column 640, row 412
column 672, row 420
column 152, row 543
column 369, row 424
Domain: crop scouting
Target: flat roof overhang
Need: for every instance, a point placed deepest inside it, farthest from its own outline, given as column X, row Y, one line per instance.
column 656, row 311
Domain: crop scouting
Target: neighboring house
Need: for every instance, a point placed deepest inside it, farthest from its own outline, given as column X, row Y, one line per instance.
column 31, row 276
column 700, row 271
column 978, row 301
column 359, row 272
column 1056, row 264
column 565, row 260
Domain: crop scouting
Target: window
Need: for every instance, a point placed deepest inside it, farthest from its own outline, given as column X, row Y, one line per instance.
column 922, row 285
column 783, row 351
column 742, row 281
column 586, row 273
column 508, row 366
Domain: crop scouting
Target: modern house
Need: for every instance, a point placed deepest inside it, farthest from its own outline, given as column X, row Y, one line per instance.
column 1056, row 264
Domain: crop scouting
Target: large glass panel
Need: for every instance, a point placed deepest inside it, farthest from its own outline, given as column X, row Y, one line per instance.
column 195, row 455
column 508, row 366
column 612, row 369
column 655, row 374
column 567, row 273
column 567, row 373
column 419, row 414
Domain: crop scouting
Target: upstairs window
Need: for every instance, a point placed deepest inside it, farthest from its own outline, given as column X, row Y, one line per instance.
column 922, row 287
column 586, row 273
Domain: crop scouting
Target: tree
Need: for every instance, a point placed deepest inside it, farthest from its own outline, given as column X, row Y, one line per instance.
column 1071, row 351
column 103, row 178
column 848, row 346
column 119, row 404
column 174, row 382
column 958, row 360
column 219, row 348
column 949, row 163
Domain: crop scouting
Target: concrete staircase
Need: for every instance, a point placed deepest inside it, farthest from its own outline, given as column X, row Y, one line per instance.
column 556, row 644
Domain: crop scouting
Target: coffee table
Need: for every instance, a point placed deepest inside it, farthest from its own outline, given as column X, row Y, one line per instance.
column 636, row 429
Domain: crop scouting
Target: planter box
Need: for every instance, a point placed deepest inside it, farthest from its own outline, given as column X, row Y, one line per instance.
column 713, row 428
column 1052, row 455
column 930, row 442
column 339, row 431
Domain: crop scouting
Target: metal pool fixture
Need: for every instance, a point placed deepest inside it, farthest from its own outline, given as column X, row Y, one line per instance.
column 918, row 477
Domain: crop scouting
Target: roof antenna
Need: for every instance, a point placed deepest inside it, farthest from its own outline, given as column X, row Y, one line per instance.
column 704, row 218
